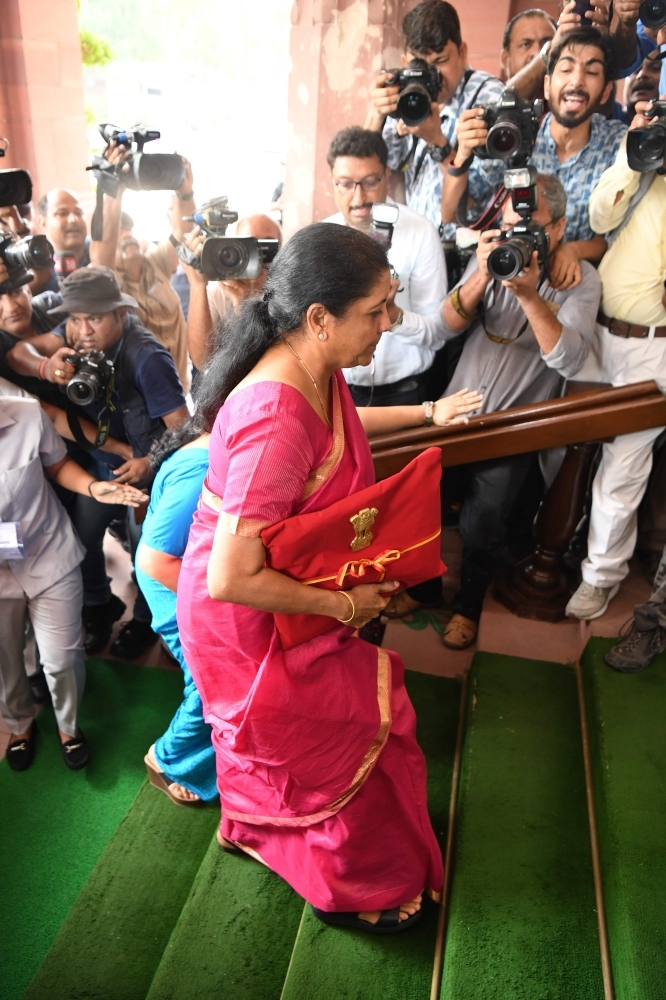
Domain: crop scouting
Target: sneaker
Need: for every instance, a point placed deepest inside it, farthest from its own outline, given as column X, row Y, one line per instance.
column 98, row 621
column 636, row 650
column 21, row 753
column 134, row 639
column 75, row 752
column 590, row 602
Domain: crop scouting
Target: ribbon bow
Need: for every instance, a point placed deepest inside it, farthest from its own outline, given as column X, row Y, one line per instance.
column 357, row 567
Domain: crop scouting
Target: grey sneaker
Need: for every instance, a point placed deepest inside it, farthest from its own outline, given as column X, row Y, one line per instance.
column 590, row 602
column 636, row 650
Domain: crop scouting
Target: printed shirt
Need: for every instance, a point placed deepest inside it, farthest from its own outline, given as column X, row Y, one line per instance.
column 580, row 174
column 424, row 189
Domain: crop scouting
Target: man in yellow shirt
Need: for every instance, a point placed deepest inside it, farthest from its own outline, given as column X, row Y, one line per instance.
column 631, row 346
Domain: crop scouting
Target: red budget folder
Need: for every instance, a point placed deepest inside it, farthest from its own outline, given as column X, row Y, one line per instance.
column 389, row 531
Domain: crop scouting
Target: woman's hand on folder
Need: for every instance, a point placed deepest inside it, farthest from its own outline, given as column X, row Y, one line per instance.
column 369, row 599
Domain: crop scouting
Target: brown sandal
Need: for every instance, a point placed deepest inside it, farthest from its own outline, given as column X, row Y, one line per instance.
column 401, row 605
column 226, row 845
column 460, row 632
column 158, row 779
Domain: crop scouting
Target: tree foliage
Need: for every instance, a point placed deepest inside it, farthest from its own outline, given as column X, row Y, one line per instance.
column 95, row 51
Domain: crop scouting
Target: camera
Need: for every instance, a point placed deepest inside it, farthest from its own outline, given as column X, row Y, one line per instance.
column 240, row 258
column 420, row 84
column 93, row 380
column 15, row 185
column 384, row 218
column 22, row 257
column 646, row 147
column 147, row 171
column 653, row 13
column 515, row 247
column 513, row 125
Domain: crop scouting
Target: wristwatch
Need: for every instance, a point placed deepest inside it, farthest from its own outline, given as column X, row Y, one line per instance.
column 438, row 153
column 429, row 407
column 394, row 326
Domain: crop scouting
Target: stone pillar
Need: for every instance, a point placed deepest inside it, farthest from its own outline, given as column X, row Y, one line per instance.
column 41, row 93
column 336, row 46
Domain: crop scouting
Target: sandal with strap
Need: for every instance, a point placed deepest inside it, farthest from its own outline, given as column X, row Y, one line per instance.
column 158, row 779
column 460, row 632
column 388, row 923
column 400, row 606
column 226, row 845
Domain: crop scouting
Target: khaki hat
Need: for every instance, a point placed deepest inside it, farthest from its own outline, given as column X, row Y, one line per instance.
column 93, row 289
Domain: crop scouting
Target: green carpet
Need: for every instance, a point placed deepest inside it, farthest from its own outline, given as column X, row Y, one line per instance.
column 55, row 823
column 628, row 724
column 234, row 937
column 522, row 922
column 113, row 938
column 330, row 962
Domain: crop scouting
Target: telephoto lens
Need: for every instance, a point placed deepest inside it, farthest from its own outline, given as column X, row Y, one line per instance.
column 33, row 252
column 510, row 258
column 156, row 172
column 653, row 13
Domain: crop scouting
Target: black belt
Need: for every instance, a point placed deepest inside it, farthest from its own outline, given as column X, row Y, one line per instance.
column 402, row 385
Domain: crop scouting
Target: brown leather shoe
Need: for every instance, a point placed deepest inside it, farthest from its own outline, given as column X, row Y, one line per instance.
column 460, row 632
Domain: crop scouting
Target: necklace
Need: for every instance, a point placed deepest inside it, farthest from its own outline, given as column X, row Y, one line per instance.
column 321, row 402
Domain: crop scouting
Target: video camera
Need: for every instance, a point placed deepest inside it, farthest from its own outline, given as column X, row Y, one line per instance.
column 646, row 147
column 20, row 256
column 519, row 243
column 513, row 125
column 420, row 84
column 653, row 13
column 147, row 171
column 223, row 258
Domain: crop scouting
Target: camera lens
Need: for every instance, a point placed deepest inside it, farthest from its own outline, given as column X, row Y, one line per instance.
column 82, row 390
column 158, row 171
column 230, row 257
column 509, row 259
column 504, row 140
column 15, row 187
column 646, row 148
column 414, row 105
column 653, row 13
column 33, row 252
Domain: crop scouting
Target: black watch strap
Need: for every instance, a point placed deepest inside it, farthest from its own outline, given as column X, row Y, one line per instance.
column 438, row 153
column 462, row 169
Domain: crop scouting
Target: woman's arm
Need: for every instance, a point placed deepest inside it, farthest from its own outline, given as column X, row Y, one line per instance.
column 159, row 566
column 59, row 420
column 69, row 474
column 237, row 574
column 448, row 410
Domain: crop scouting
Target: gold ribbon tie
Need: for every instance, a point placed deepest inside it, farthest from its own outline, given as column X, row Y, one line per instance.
column 357, row 567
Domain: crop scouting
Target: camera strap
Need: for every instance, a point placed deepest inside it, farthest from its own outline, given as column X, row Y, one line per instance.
column 491, row 336
column 490, row 214
column 97, row 221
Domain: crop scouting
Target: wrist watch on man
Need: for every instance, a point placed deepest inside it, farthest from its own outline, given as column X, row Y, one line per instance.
column 438, row 153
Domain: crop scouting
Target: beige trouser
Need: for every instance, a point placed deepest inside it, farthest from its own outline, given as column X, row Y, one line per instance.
column 56, row 619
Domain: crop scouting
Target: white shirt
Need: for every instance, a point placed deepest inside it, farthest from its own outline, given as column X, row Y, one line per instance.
column 417, row 256
column 28, row 442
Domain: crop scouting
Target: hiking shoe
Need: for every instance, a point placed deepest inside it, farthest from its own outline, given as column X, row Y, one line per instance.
column 636, row 650
column 21, row 753
column 134, row 639
column 98, row 621
column 39, row 688
column 75, row 752
column 590, row 602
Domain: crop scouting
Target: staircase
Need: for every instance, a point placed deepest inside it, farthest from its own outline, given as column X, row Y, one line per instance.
column 167, row 915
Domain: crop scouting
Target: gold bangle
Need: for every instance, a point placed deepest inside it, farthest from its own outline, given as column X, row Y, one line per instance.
column 346, row 621
column 455, row 302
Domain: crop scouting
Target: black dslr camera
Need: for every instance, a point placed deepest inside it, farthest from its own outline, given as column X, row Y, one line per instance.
column 420, row 84
column 223, row 258
column 93, row 380
column 30, row 253
column 653, row 13
column 515, row 247
column 513, row 125
column 147, row 171
column 646, row 147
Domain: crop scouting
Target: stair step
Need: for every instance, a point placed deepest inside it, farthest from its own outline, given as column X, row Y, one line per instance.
column 113, row 937
column 330, row 962
column 627, row 718
column 522, row 921
column 234, row 936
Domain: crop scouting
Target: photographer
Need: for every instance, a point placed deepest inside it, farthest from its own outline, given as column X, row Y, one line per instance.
column 643, row 85
column 397, row 375
column 574, row 143
column 40, row 575
column 17, row 219
column 147, row 398
column 525, row 36
column 524, row 337
column 631, row 345
column 431, row 31
column 211, row 301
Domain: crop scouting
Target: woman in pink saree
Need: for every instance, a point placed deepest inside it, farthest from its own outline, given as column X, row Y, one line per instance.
column 319, row 771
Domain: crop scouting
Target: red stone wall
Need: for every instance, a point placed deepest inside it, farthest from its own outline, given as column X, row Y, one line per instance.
column 41, row 93
column 336, row 46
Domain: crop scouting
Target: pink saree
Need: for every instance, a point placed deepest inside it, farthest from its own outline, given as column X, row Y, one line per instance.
column 319, row 772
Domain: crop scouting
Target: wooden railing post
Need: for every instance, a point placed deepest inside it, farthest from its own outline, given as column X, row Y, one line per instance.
column 537, row 587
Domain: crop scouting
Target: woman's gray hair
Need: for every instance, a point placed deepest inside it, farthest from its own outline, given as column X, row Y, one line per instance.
column 555, row 195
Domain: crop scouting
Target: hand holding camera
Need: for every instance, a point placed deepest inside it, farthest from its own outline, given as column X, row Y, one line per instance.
column 646, row 141
column 58, row 368
column 582, row 13
column 472, row 133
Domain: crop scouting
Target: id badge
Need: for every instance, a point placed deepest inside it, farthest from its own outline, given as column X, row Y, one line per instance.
column 11, row 540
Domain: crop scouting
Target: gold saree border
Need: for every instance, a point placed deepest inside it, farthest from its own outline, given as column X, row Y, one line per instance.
column 247, row 527
column 367, row 764
column 322, row 473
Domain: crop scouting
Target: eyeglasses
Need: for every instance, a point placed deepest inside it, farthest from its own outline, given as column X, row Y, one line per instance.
column 367, row 184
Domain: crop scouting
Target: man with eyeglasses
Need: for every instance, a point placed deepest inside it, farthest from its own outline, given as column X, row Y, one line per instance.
column 524, row 336
column 147, row 398
column 398, row 375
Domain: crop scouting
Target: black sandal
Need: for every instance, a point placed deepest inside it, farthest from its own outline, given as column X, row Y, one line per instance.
column 388, row 923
